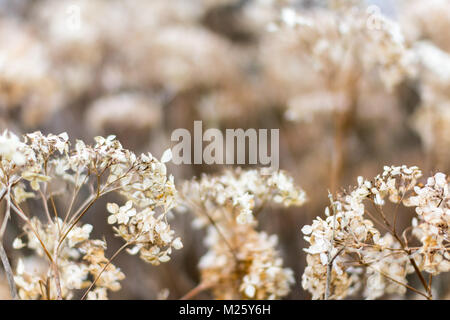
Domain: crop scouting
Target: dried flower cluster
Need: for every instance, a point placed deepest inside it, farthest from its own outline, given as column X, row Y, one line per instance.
column 431, row 227
column 46, row 169
column 343, row 80
column 245, row 266
column 150, row 235
column 241, row 192
column 79, row 259
column 241, row 262
column 347, row 249
column 343, row 48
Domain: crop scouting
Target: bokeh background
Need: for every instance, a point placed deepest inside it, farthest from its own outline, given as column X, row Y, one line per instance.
column 141, row 69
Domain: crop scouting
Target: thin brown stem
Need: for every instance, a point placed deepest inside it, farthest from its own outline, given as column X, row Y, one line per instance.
column 3, row 255
column 75, row 222
column 337, row 159
column 27, row 220
column 430, row 282
column 45, row 204
column 407, row 251
column 104, row 268
column 204, row 211
column 75, row 193
column 56, row 273
column 9, row 273
column 398, row 282
column 197, row 290
column 7, row 214
column 330, row 259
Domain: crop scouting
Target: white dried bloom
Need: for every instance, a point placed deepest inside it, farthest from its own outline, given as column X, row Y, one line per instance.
column 121, row 215
column 350, row 229
column 394, row 263
column 356, row 248
column 10, row 149
column 124, row 111
column 253, row 270
column 98, row 294
column 78, row 258
column 150, row 236
column 395, row 182
column 315, row 276
column 432, row 203
column 28, row 283
column 240, row 192
column 51, row 169
column 241, row 263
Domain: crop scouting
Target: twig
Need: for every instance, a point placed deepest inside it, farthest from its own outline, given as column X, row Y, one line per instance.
column 396, row 281
column 5, row 261
column 204, row 211
column 7, row 214
column 45, row 204
column 22, row 215
column 8, row 272
column 56, row 272
column 407, row 251
column 195, row 291
column 72, row 224
column 430, row 282
column 104, row 268
column 330, row 260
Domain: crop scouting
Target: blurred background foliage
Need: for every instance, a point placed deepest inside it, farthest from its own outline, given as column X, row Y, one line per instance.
column 140, row 69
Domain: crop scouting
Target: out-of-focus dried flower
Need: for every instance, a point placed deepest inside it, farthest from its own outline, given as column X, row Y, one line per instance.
column 431, row 120
column 252, row 270
column 341, row 49
column 241, row 262
column 26, row 78
column 123, row 111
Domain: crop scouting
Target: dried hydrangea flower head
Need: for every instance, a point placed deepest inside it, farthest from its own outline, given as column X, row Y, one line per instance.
column 47, row 170
column 432, row 224
column 347, row 228
column 240, row 193
column 241, row 263
column 79, row 260
column 252, row 270
column 149, row 234
column 343, row 49
column 346, row 249
column 11, row 152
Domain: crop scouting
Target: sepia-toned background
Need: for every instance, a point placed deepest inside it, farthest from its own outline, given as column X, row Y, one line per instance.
column 140, row 69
